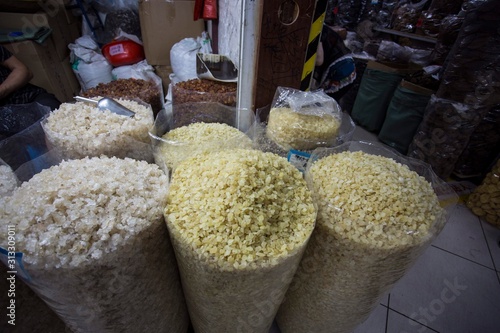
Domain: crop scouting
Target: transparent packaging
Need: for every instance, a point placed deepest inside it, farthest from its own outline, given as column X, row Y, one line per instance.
column 80, row 129
column 303, row 120
column 375, row 217
column 239, row 237
column 195, row 128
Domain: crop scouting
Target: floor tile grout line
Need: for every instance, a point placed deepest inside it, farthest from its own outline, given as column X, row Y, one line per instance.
column 402, row 314
column 489, row 249
column 472, row 261
column 387, row 312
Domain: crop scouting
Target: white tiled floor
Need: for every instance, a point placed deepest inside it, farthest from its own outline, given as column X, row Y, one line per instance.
column 453, row 287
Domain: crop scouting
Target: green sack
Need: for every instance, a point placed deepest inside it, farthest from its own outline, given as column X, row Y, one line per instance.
column 404, row 115
column 374, row 95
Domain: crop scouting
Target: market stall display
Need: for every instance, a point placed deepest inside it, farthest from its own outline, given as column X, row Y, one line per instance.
column 81, row 129
column 263, row 142
column 375, row 216
column 482, row 148
column 239, row 221
column 95, row 246
column 444, row 133
column 303, row 120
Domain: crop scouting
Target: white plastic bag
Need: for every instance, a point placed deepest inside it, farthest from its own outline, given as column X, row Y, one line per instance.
column 89, row 65
column 183, row 56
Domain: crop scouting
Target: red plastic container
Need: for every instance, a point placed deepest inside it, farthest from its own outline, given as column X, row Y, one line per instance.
column 123, row 52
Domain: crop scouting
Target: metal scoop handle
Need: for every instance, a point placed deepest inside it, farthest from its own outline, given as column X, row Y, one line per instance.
column 108, row 104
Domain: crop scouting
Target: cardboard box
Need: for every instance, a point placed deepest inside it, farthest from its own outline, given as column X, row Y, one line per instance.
column 62, row 32
column 48, row 72
column 165, row 23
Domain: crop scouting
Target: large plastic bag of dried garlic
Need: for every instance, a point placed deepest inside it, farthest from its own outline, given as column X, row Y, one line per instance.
column 90, row 239
column 206, row 127
column 377, row 211
column 81, row 129
column 239, row 222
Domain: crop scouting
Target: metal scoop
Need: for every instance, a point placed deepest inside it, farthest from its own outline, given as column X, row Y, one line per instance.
column 215, row 67
column 110, row 104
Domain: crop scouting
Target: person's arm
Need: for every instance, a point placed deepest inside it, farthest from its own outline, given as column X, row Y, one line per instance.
column 20, row 75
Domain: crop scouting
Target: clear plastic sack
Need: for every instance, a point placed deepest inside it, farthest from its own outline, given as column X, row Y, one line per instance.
column 194, row 128
column 377, row 212
column 239, row 237
column 92, row 244
column 303, row 120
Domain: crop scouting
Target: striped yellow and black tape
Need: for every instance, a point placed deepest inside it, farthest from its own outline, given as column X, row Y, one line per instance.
column 313, row 42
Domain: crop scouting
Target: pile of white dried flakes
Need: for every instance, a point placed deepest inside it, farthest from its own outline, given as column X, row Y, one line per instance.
column 185, row 141
column 306, row 129
column 8, row 180
column 96, row 247
column 80, row 129
column 239, row 221
column 374, row 217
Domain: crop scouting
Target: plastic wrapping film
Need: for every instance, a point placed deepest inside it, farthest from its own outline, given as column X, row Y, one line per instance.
column 240, row 237
column 448, row 33
column 28, row 312
column 366, row 235
column 483, row 146
column 93, row 245
column 384, row 15
column 303, row 120
column 264, row 143
column 405, row 18
column 447, row 7
column 81, row 129
column 471, row 71
column 199, row 128
column 26, row 152
column 484, row 201
column 349, row 13
column 444, row 133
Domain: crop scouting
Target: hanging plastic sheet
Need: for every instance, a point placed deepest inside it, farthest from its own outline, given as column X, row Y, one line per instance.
column 483, row 147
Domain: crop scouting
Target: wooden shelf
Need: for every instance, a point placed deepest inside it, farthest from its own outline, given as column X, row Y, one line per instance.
column 406, row 34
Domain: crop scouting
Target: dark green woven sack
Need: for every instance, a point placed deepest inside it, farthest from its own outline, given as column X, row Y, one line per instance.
column 374, row 95
column 404, row 115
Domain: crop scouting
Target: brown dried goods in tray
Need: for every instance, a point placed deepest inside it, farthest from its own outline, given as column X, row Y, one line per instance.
column 146, row 91
column 201, row 90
